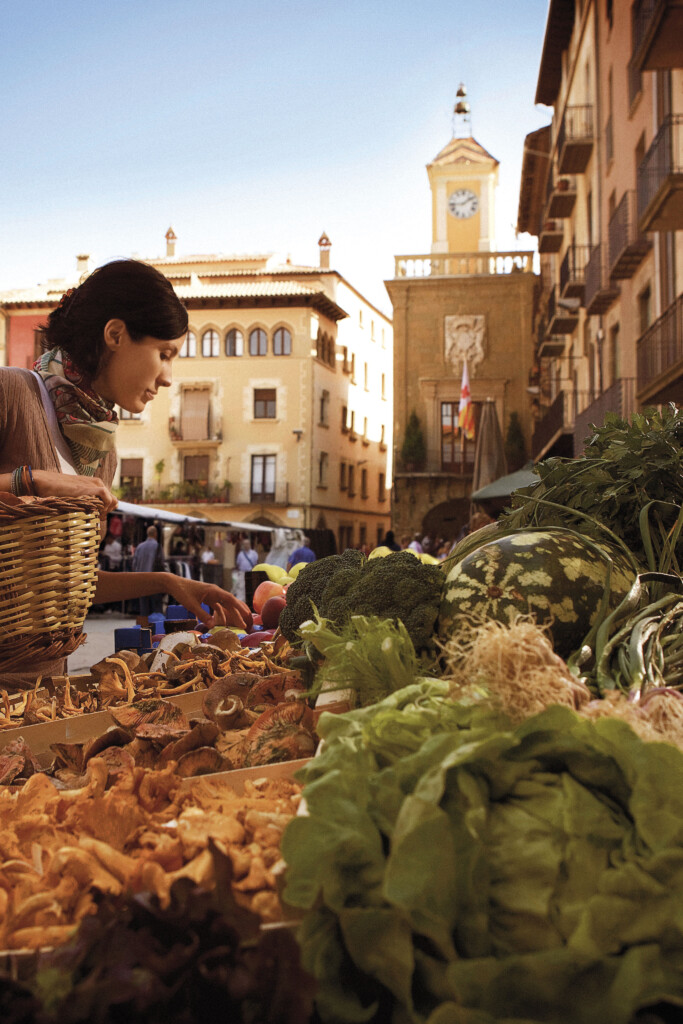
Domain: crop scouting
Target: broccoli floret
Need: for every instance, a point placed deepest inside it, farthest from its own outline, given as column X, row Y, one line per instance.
column 306, row 591
column 352, row 558
column 398, row 586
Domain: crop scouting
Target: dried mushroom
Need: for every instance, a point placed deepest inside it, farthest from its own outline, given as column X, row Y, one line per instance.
column 203, row 734
column 202, row 761
column 153, row 709
column 237, row 684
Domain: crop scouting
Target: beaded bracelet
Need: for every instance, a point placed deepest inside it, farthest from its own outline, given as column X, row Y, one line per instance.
column 21, row 482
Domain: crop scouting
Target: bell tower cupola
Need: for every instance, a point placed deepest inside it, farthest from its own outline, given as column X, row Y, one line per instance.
column 463, row 179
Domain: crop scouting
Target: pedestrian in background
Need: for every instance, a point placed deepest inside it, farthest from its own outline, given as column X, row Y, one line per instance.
column 302, row 554
column 390, row 542
column 246, row 559
column 147, row 558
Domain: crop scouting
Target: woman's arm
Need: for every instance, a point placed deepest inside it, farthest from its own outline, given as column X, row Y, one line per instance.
column 66, row 485
column 119, row 586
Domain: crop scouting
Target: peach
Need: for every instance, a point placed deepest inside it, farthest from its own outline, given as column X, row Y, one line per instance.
column 263, row 592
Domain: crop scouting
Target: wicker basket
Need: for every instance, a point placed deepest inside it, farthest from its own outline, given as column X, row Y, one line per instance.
column 48, row 575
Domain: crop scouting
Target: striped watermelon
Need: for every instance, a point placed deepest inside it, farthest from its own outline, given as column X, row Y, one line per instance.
column 551, row 573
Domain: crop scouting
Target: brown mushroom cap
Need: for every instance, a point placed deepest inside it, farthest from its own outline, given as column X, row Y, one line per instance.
column 237, row 684
column 154, row 709
column 202, row 734
column 202, row 761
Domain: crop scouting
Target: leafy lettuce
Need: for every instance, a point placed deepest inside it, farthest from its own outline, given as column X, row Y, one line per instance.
column 455, row 870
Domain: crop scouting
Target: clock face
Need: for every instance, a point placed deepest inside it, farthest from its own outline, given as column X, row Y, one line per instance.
column 463, row 203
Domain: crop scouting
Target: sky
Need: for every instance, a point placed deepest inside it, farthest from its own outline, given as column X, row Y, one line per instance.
column 251, row 127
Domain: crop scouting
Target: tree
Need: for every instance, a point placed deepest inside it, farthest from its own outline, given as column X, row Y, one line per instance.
column 515, row 446
column 413, row 451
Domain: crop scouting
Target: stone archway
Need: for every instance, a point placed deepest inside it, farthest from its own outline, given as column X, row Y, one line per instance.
column 264, row 521
column 447, row 518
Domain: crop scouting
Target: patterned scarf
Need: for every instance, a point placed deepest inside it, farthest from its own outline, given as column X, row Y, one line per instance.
column 87, row 421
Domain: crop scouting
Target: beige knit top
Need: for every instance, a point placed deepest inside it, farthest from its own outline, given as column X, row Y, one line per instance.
column 25, row 439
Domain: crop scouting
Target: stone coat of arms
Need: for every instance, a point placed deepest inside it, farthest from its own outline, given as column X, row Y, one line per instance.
column 464, row 338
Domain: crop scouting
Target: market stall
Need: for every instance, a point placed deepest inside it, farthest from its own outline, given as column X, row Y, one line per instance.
column 490, row 827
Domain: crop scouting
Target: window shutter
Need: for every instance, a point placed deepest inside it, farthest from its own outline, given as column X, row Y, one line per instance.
column 131, row 468
column 196, row 467
column 194, row 418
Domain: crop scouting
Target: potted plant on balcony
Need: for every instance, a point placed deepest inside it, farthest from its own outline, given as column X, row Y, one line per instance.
column 223, row 492
column 413, row 450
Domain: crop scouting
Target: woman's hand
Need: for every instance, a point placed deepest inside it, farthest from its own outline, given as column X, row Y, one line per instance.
column 228, row 610
column 67, row 485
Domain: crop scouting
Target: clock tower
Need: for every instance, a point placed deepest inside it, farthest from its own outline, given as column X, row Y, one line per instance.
column 463, row 178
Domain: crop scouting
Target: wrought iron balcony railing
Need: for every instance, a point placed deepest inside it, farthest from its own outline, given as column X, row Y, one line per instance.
column 659, row 352
column 454, row 458
column 575, row 139
column 563, row 314
column 627, row 245
column 555, row 424
column 573, row 271
column 620, row 398
column 551, row 236
column 660, row 179
column 657, row 30
column 600, row 292
column 562, row 197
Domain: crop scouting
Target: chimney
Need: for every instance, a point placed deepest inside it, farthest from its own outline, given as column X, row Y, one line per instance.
column 171, row 240
column 325, row 245
column 83, row 264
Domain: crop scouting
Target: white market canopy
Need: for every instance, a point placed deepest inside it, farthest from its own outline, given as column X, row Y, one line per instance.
column 128, row 508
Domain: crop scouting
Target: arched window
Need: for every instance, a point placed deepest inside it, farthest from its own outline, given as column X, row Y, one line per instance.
column 189, row 347
column 282, row 342
column 234, row 342
column 258, row 342
column 210, row 343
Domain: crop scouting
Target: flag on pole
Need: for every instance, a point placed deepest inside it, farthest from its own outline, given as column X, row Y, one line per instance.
column 465, row 409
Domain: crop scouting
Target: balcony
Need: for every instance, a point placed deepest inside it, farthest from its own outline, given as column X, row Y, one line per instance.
column 660, row 179
column 464, row 264
column 600, row 292
column 627, row 246
column 277, row 494
column 563, row 314
column 657, row 33
column 548, row 346
column 659, row 357
column 575, row 139
column 554, row 433
column 573, row 272
column 187, row 492
column 204, row 436
column 551, row 236
column 455, row 462
column 620, row 398
column 562, row 198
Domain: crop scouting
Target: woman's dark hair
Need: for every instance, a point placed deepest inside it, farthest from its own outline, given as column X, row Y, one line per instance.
column 125, row 290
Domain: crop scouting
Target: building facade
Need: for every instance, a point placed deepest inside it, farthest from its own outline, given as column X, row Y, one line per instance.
column 602, row 188
column 464, row 301
column 281, row 404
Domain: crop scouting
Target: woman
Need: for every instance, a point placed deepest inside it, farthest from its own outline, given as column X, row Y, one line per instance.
column 110, row 342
